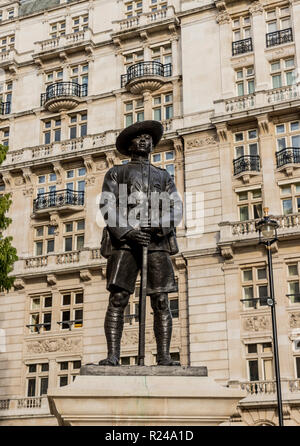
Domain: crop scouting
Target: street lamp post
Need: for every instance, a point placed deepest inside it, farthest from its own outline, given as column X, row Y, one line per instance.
column 267, row 229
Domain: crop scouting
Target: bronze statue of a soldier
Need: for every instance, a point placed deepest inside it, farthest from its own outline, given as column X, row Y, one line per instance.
column 122, row 243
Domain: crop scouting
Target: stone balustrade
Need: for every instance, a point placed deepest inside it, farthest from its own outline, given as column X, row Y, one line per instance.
column 245, row 230
column 283, row 94
column 68, row 257
column 259, row 387
column 62, row 41
column 36, row 262
column 240, row 103
column 23, row 405
column 144, row 19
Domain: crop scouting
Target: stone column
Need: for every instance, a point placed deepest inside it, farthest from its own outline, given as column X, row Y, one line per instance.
column 268, row 166
column 228, row 203
column 259, row 44
column 147, row 104
column 225, row 37
column 176, row 69
column 295, row 13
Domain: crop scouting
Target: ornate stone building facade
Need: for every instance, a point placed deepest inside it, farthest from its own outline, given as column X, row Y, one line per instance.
column 223, row 78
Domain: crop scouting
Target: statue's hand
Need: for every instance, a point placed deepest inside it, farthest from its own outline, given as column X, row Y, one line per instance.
column 140, row 237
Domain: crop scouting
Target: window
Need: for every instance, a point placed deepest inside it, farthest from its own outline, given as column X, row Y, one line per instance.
column 40, row 313
column 290, row 198
column 283, row 72
column 75, row 182
column 6, row 89
column 241, row 28
column 246, row 143
column 51, row 130
column 10, row 14
column 259, row 359
column 134, row 111
column 67, row 371
column 156, row 5
column 78, row 125
column 4, row 136
column 7, row 43
column 57, row 29
column 245, row 81
column 162, row 53
column 44, row 239
column 249, row 204
column 163, row 107
column 54, row 76
column 71, row 310
column 37, row 379
column 133, row 57
column 278, row 19
column 131, row 313
column 133, row 8
column 129, row 360
column 80, row 75
column 165, row 160
column 254, row 286
column 287, row 135
column 293, row 282
column 80, row 23
column 74, row 235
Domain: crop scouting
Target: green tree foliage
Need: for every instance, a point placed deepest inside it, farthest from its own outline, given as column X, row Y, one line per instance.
column 8, row 254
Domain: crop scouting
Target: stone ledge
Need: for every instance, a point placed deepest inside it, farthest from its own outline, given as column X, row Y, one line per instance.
column 97, row 370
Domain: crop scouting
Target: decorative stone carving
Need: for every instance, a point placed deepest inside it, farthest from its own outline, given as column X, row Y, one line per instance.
column 58, row 171
column 19, row 181
column 28, row 192
column 51, row 279
column 295, row 320
column 101, row 165
column 90, row 181
column 222, row 132
column 19, row 284
column 54, row 345
column 227, row 252
column 257, row 323
column 130, row 337
column 89, row 163
column 54, row 219
column 85, row 275
column 201, row 142
column 223, row 18
column 111, row 158
column 256, row 8
column 179, row 263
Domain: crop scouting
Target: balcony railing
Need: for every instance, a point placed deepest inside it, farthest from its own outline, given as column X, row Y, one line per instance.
column 59, row 198
column 294, row 298
column 288, row 155
column 259, row 387
column 63, row 89
column 5, row 108
column 246, row 163
column 279, row 37
column 142, row 69
column 242, row 46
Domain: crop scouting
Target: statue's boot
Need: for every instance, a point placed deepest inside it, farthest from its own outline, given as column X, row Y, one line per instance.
column 113, row 327
column 163, row 333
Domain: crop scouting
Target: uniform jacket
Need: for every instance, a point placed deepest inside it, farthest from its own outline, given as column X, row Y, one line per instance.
column 142, row 176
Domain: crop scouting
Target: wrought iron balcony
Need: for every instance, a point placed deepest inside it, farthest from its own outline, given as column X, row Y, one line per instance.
column 242, row 46
column 151, row 72
column 63, row 95
column 5, row 108
column 288, row 155
column 58, row 199
column 246, row 163
column 279, row 37
column 294, row 298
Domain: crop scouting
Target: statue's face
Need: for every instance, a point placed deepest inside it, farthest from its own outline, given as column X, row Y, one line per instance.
column 141, row 144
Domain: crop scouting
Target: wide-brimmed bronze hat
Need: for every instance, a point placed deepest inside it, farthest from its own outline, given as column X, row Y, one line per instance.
column 153, row 128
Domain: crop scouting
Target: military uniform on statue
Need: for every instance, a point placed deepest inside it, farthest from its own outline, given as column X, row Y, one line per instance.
column 122, row 243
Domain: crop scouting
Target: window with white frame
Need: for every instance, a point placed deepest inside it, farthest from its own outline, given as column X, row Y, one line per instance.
column 10, row 14
column 165, row 160
column 134, row 111
column 67, row 371
column 133, row 57
column 53, row 76
column 241, row 28
column 246, row 143
column 133, row 8
column 80, row 74
column 46, row 183
column 51, row 130
column 57, row 29
column 162, row 53
column 7, row 43
column 4, row 136
column 249, row 204
column 71, row 310
column 78, row 125
column 162, row 106
column 287, row 135
column 80, row 23
column 283, row 72
column 37, row 376
column 245, row 81
column 290, row 198
column 254, row 286
column 156, row 5
column 278, row 19
column 44, row 238
column 293, row 282
column 74, row 235
column 296, row 355
column 259, row 358
column 40, row 313
column 75, row 180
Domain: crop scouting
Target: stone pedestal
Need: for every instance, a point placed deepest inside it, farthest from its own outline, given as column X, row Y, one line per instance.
column 143, row 396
